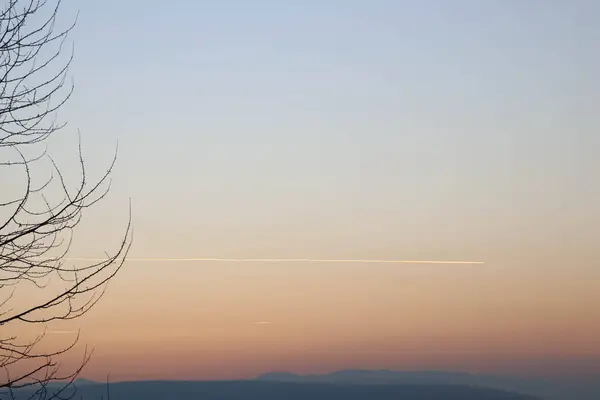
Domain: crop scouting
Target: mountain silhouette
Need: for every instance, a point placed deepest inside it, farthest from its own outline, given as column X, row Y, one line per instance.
column 555, row 389
column 271, row 390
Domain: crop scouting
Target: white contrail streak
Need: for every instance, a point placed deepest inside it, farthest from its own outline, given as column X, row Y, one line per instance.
column 285, row 260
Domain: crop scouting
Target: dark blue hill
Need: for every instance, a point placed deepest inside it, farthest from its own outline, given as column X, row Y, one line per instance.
column 257, row 390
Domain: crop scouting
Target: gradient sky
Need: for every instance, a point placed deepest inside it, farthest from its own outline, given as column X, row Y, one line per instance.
column 342, row 129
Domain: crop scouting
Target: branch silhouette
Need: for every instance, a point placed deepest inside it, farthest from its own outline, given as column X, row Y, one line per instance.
column 37, row 220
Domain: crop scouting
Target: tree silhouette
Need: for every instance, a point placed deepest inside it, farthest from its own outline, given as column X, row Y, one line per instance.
column 38, row 284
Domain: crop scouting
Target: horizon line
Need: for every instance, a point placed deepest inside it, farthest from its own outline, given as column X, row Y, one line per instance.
column 281, row 260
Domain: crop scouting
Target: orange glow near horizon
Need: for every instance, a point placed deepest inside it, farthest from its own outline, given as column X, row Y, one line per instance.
column 229, row 321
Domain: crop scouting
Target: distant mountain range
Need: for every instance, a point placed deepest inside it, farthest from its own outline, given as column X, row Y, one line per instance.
column 546, row 389
column 272, row 390
column 348, row 385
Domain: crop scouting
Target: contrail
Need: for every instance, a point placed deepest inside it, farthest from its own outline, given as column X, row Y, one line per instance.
column 285, row 260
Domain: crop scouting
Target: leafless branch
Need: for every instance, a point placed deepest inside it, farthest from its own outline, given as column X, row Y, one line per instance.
column 36, row 226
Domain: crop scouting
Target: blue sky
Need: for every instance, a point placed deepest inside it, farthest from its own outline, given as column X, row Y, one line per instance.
column 414, row 114
column 346, row 129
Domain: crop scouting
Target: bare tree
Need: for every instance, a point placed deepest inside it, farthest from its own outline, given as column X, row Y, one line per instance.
column 38, row 284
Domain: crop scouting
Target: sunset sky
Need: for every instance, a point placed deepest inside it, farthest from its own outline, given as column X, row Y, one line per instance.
column 340, row 129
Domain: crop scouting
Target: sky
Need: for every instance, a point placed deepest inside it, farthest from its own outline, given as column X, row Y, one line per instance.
column 419, row 130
